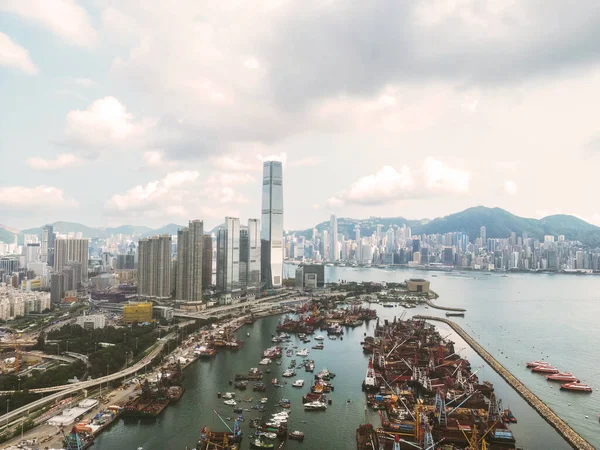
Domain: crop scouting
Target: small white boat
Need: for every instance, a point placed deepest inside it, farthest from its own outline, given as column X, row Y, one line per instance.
column 264, row 400
column 228, row 395
column 265, row 361
column 303, row 352
column 298, row 383
column 230, row 402
column 320, row 338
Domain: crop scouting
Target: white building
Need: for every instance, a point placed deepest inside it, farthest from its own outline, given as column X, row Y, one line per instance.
column 91, row 322
column 15, row 302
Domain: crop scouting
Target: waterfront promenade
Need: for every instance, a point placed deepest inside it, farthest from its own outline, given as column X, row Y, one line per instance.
column 570, row 435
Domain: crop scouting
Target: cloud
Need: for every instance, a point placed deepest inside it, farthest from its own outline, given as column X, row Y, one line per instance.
column 21, row 198
column 60, row 162
column 389, row 185
column 62, row 17
column 592, row 146
column 13, row 55
column 181, row 194
column 510, row 187
column 105, row 123
column 234, row 163
column 84, row 82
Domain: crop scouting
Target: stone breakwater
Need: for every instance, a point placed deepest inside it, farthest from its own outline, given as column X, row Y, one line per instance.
column 570, row 435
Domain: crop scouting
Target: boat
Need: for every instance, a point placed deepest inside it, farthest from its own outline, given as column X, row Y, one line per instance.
column 545, row 369
column 298, row 383
column 296, row 435
column 366, row 437
column 319, row 337
column 303, row 352
column 333, row 337
column 259, row 387
column 228, row 395
column 536, row 363
column 455, row 314
column 315, row 406
column 258, row 443
column 289, row 373
column 507, row 416
column 576, row 387
column 264, row 400
column 565, row 377
column 274, row 381
column 269, row 435
column 309, row 366
column 285, row 403
column 265, row 361
column 230, row 402
column 319, row 346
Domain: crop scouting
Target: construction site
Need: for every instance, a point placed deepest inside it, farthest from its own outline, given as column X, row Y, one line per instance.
column 427, row 395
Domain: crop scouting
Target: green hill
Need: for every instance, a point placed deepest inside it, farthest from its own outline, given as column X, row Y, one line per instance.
column 6, row 236
column 499, row 223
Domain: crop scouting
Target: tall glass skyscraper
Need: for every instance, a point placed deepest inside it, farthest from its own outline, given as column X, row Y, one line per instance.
column 271, row 235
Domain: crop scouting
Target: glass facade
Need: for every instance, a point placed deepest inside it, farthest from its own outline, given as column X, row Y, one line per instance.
column 272, row 225
column 228, row 256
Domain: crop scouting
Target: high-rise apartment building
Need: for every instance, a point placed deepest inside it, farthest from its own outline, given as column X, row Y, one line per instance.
column 271, row 235
column 334, row 246
column 207, row 260
column 57, row 287
column 71, row 249
column 228, row 256
column 483, row 235
column 250, row 255
column 154, row 267
column 48, row 244
column 188, row 284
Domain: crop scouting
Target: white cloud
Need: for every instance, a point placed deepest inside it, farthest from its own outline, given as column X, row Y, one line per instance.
column 105, row 123
column 510, row 187
column 389, row 185
column 60, row 162
column 65, row 18
column 234, row 163
column 20, row 198
column 84, row 82
column 178, row 195
column 13, row 55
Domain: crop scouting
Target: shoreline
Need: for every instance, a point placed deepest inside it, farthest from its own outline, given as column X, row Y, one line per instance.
column 565, row 430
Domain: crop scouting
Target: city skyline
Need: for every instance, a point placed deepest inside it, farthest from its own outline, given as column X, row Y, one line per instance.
column 496, row 113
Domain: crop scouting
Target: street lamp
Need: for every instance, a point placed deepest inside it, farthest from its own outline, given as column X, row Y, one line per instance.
column 19, row 384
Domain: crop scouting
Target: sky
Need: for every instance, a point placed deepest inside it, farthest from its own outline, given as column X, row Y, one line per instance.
column 144, row 112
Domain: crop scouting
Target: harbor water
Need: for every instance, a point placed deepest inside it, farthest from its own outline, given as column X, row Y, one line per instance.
column 516, row 318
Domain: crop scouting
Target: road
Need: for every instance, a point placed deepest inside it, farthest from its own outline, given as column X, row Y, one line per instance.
column 71, row 388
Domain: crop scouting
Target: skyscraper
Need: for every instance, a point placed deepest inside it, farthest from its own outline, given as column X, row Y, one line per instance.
column 154, row 267
column 483, row 236
column 250, row 255
column 188, row 279
column 207, row 260
column 48, row 244
column 71, row 249
column 271, row 235
column 57, row 287
column 334, row 247
column 228, row 256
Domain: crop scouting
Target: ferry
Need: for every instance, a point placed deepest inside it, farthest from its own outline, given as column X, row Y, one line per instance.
column 576, row 387
column 537, row 363
column 565, row 377
column 545, row 369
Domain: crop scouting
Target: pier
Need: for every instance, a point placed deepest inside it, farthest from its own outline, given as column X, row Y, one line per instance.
column 444, row 308
column 570, row 435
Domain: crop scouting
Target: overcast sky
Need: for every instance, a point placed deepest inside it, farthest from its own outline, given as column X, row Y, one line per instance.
column 149, row 112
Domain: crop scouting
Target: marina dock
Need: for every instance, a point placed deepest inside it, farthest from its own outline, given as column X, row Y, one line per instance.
column 570, row 435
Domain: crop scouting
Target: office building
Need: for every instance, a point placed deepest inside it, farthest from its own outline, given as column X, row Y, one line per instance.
column 71, row 250
column 272, row 225
column 48, row 244
column 154, row 267
column 33, row 252
column 334, row 246
column 228, row 256
column 310, row 276
column 57, row 287
column 137, row 312
column 250, row 247
column 207, row 260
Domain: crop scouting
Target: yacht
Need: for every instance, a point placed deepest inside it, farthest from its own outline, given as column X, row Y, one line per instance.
column 320, row 338
column 230, row 402
column 315, row 406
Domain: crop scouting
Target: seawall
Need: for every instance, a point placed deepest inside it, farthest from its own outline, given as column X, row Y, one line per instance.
column 570, row 435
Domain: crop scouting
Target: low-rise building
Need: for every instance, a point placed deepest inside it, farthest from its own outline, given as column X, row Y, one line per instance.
column 91, row 322
column 417, row 285
column 137, row 312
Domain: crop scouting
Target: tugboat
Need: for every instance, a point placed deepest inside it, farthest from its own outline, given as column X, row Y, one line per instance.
column 576, row 387
column 507, row 416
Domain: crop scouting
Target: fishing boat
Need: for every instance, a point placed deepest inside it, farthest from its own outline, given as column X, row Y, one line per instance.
column 296, row 435
column 507, row 416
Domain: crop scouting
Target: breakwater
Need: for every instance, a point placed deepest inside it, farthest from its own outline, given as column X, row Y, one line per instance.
column 570, row 435
column 444, row 308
